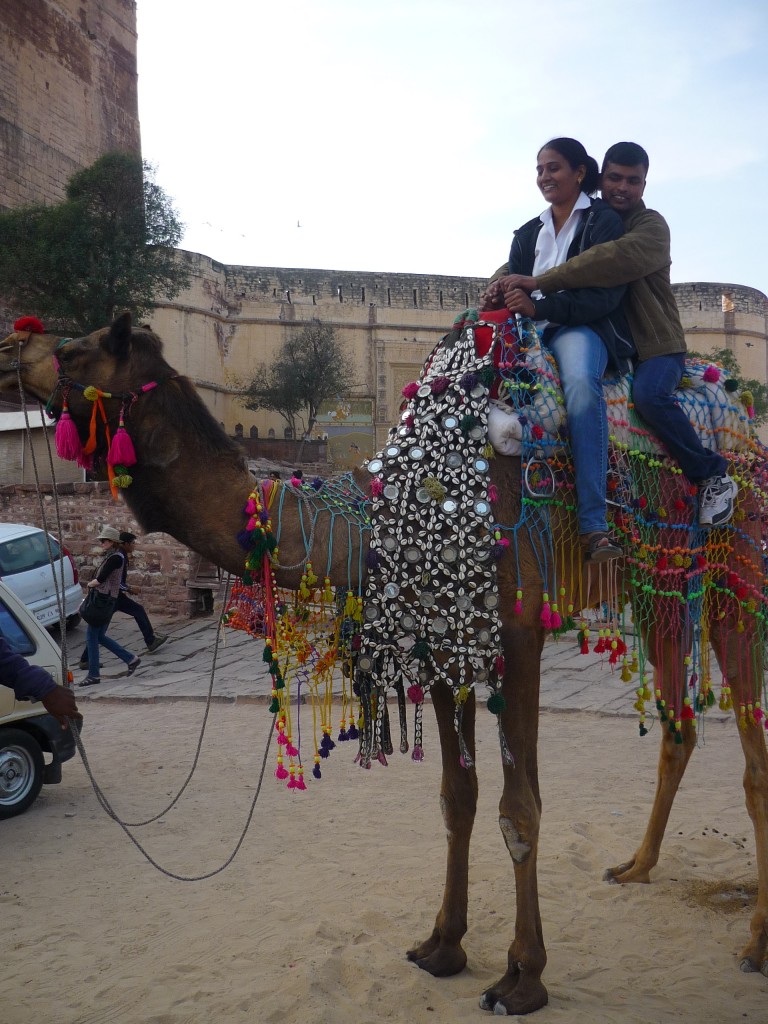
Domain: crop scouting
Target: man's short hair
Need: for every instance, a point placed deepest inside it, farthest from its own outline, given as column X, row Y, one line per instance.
column 127, row 538
column 628, row 154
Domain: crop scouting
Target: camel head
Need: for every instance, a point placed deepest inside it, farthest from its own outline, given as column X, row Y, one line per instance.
column 28, row 355
column 115, row 358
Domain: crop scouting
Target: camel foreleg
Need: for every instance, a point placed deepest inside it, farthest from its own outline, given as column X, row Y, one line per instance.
column 520, row 989
column 442, row 954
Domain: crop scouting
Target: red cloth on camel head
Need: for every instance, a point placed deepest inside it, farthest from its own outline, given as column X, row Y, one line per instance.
column 29, row 323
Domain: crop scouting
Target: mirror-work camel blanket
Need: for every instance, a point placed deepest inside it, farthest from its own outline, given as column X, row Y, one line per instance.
column 428, row 610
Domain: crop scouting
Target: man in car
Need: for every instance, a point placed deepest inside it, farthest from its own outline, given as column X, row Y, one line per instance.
column 29, row 682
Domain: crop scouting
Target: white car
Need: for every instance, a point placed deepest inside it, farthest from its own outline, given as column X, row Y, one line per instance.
column 32, row 743
column 25, row 567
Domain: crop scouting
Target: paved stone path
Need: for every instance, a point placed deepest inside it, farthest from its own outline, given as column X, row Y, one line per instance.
column 181, row 670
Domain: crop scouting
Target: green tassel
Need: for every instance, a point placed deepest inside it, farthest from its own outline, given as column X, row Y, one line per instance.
column 420, row 650
column 274, row 706
column 496, row 703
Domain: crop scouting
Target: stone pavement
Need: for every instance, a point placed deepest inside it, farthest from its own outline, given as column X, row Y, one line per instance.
column 181, row 670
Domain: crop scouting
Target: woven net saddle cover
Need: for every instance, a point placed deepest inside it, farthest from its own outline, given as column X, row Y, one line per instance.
column 529, row 403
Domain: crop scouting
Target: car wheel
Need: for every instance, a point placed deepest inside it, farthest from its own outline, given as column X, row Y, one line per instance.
column 21, row 771
column 73, row 620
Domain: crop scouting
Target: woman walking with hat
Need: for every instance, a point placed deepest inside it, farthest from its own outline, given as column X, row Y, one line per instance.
column 107, row 581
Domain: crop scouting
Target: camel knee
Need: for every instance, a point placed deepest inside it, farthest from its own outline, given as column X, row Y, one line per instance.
column 519, row 848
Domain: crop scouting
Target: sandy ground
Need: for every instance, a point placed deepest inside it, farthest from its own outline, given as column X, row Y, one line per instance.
column 312, row 919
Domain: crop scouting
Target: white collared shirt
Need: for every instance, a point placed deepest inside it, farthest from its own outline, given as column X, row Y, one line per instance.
column 552, row 249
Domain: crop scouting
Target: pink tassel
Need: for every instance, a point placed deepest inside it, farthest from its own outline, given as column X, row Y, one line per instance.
column 377, row 486
column 68, row 443
column 556, row 621
column 121, row 451
column 250, row 507
column 409, row 391
column 712, row 374
column 300, row 783
column 518, row 609
column 381, row 757
column 493, row 492
column 281, row 773
column 291, row 750
column 418, row 754
column 415, row 694
column 282, row 739
column 85, row 461
column 546, row 617
column 499, row 664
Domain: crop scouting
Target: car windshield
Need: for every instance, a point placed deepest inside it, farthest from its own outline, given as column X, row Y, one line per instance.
column 24, row 553
column 13, row 632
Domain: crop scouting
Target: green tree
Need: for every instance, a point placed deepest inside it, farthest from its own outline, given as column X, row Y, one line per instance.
column 758, row 389
column 109, row 246
column 311, row 369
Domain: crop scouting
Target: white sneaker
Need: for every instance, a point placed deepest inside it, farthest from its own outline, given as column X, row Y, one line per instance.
column 716, row 500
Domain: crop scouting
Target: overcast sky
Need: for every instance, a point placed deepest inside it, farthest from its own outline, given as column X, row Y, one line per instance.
column 401, row 135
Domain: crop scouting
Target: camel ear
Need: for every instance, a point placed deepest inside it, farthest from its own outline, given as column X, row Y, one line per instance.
column 118, row 338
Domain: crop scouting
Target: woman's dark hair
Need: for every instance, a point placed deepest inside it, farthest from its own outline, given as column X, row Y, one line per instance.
column 573, row 151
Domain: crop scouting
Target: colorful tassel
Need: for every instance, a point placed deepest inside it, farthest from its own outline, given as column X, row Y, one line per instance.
column 68, row 443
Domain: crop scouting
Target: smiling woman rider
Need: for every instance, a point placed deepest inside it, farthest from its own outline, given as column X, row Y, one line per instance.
column 585, row 329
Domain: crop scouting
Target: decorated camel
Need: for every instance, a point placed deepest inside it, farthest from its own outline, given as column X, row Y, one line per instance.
column 190, row 480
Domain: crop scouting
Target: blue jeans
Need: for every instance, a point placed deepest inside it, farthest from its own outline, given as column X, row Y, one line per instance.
column 653, row 394
column 95, row 635
column 581, row 359
column 128, row 606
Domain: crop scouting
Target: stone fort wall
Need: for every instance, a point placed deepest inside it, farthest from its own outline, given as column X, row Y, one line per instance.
column 234, row 320
column 68, row 92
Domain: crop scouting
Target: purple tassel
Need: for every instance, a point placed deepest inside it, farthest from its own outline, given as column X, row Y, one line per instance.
column 418, row 754
column 317, row 484
column 316, row 772
column 68, row 443
column 323, row 751
column 244, row 540
column 352, row 732
column 342, row 736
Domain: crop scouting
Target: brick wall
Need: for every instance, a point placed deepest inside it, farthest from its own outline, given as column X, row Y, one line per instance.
column 160, row 566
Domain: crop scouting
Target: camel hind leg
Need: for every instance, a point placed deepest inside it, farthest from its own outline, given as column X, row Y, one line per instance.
column 673, row 760
column 740, row 656
column 442, row 953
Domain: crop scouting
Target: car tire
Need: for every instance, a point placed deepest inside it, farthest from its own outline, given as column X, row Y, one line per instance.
column 22, row 767
column 73, row 621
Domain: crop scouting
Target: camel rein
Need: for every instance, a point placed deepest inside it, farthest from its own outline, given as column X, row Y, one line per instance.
column 101, row 797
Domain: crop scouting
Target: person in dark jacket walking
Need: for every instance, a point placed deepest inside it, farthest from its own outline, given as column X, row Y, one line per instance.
column 107, row 580
column 30, row 682
column 585, row 329
column 128, row 606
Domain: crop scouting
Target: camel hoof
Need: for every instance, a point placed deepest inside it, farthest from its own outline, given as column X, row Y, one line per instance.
column 610, row 876
column 747, row 966
column 500, row 1010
